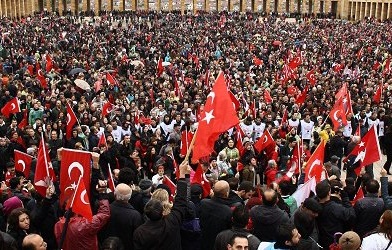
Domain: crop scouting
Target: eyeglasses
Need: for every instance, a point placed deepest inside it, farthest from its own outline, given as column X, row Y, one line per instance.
column 44, row 244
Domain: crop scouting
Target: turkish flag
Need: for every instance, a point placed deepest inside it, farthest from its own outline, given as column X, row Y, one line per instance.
column 71, row 121
column 207, row 78
column 102, row 140
column 218, row 116
column 311, row 77
column 160, row 68
column 44, row 173
column 30, row 69
column 314, row 166
column 302, row 97
column 186, row 138
column 240, row 135
column 11, row 107
column 338, row 67
column 74, row 164
column 348, row 107
column 171, row 186
column 293, row 64
column 80, row 203
column 200, row 178
column 49, row 63
column 110, row 78
column 378, row 94
column 236, row 102
column 338, row 114
column 252, row 109
column 359, row 195
column 342, row 91
column 292, row 90
column 267, row 96
column 284, row 117
column 25, row 121
column 257, row 61
column 368, row 150
column 42, row 79
column 376, row 65
column 264, row 141
column 177, row 89
column 387, row 67
column 111, row 185
column 107, row 108
column 23, row 162
column 295, row 161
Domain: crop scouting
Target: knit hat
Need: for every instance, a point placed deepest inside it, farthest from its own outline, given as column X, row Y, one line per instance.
column 350, row 241
column 11, row 204
column 145, row 184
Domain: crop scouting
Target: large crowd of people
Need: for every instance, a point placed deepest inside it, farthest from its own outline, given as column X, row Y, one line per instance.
column 137, row 83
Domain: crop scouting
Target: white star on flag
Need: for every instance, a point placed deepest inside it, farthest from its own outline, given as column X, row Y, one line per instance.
column 361, row 144
column 208, row 116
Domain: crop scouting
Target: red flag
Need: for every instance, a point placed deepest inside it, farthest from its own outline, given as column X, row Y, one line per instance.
column 23, row 162
column 49, row 63
column 200, row 178
column 80, row 203
column 387, row 67
column 111, row 185
column 102, row 140
column 151, row 94
column 267, row 97
column 347, row 104
column 236, row 102
column 257, row 61
column 285, row 116
column 368, row 150
column 218, row 116
column 378, row 94
column 177, row 89
column 186, row 138
column 252, row 109
column 311, row 77
column 44, row 174
column 264, row 141
column 171, row 186
column 25, row 121
column 292, row 90
column 107, row 108
column 337, row 67
column 11, row 107
column 338, row 114
column 240, row 134
column 342, row 91
column 358, row 130
column 314, row 166
column 71, row 121
column 42, row 79
column 207, row 77
column 376, row 65
column 74, row 164
column 295, row 161
column 359, row 195
column 302, row 97
column 21, row 141
column 30, row 69
column 110, row 78
column 293, row 64
column 160, row 67
column 360, row 53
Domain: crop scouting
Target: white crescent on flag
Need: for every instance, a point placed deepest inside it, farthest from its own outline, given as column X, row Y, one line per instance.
column 314, row 163
column 83, row 197
column 21, row 162
column 75, row 165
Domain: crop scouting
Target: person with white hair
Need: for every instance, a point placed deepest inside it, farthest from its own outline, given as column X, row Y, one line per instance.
column 124, row 218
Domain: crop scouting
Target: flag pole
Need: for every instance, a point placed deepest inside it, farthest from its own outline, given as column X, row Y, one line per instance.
column 68, row 218
column 190, row 147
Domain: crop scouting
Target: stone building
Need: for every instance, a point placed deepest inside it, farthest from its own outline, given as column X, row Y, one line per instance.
column 344, row 9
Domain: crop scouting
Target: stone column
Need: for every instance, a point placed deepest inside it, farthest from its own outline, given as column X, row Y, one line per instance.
column 1, row 7
column 158, row 3
column 182, row 6
column 366, row 9
column 207, row 5
column 74, row 7
column 60, row 7
column 389, row 10
column 292, row 6
column 382, row 12
column 110, row 5
column 316, row 7
column 267, row 6
column 376, row 15
column 86, row 5
column 219, row 5
column 327, row 6
column 243, row 6
column 170, row 5
column 122, row 5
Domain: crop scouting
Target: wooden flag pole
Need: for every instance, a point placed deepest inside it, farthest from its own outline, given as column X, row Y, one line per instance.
column 190, row 147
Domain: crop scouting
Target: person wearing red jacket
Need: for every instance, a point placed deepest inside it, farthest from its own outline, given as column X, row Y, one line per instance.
column 81, row 233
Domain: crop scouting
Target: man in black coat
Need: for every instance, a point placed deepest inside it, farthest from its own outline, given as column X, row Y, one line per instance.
column 163, row 233
column 124, row 218
column 215, row 214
